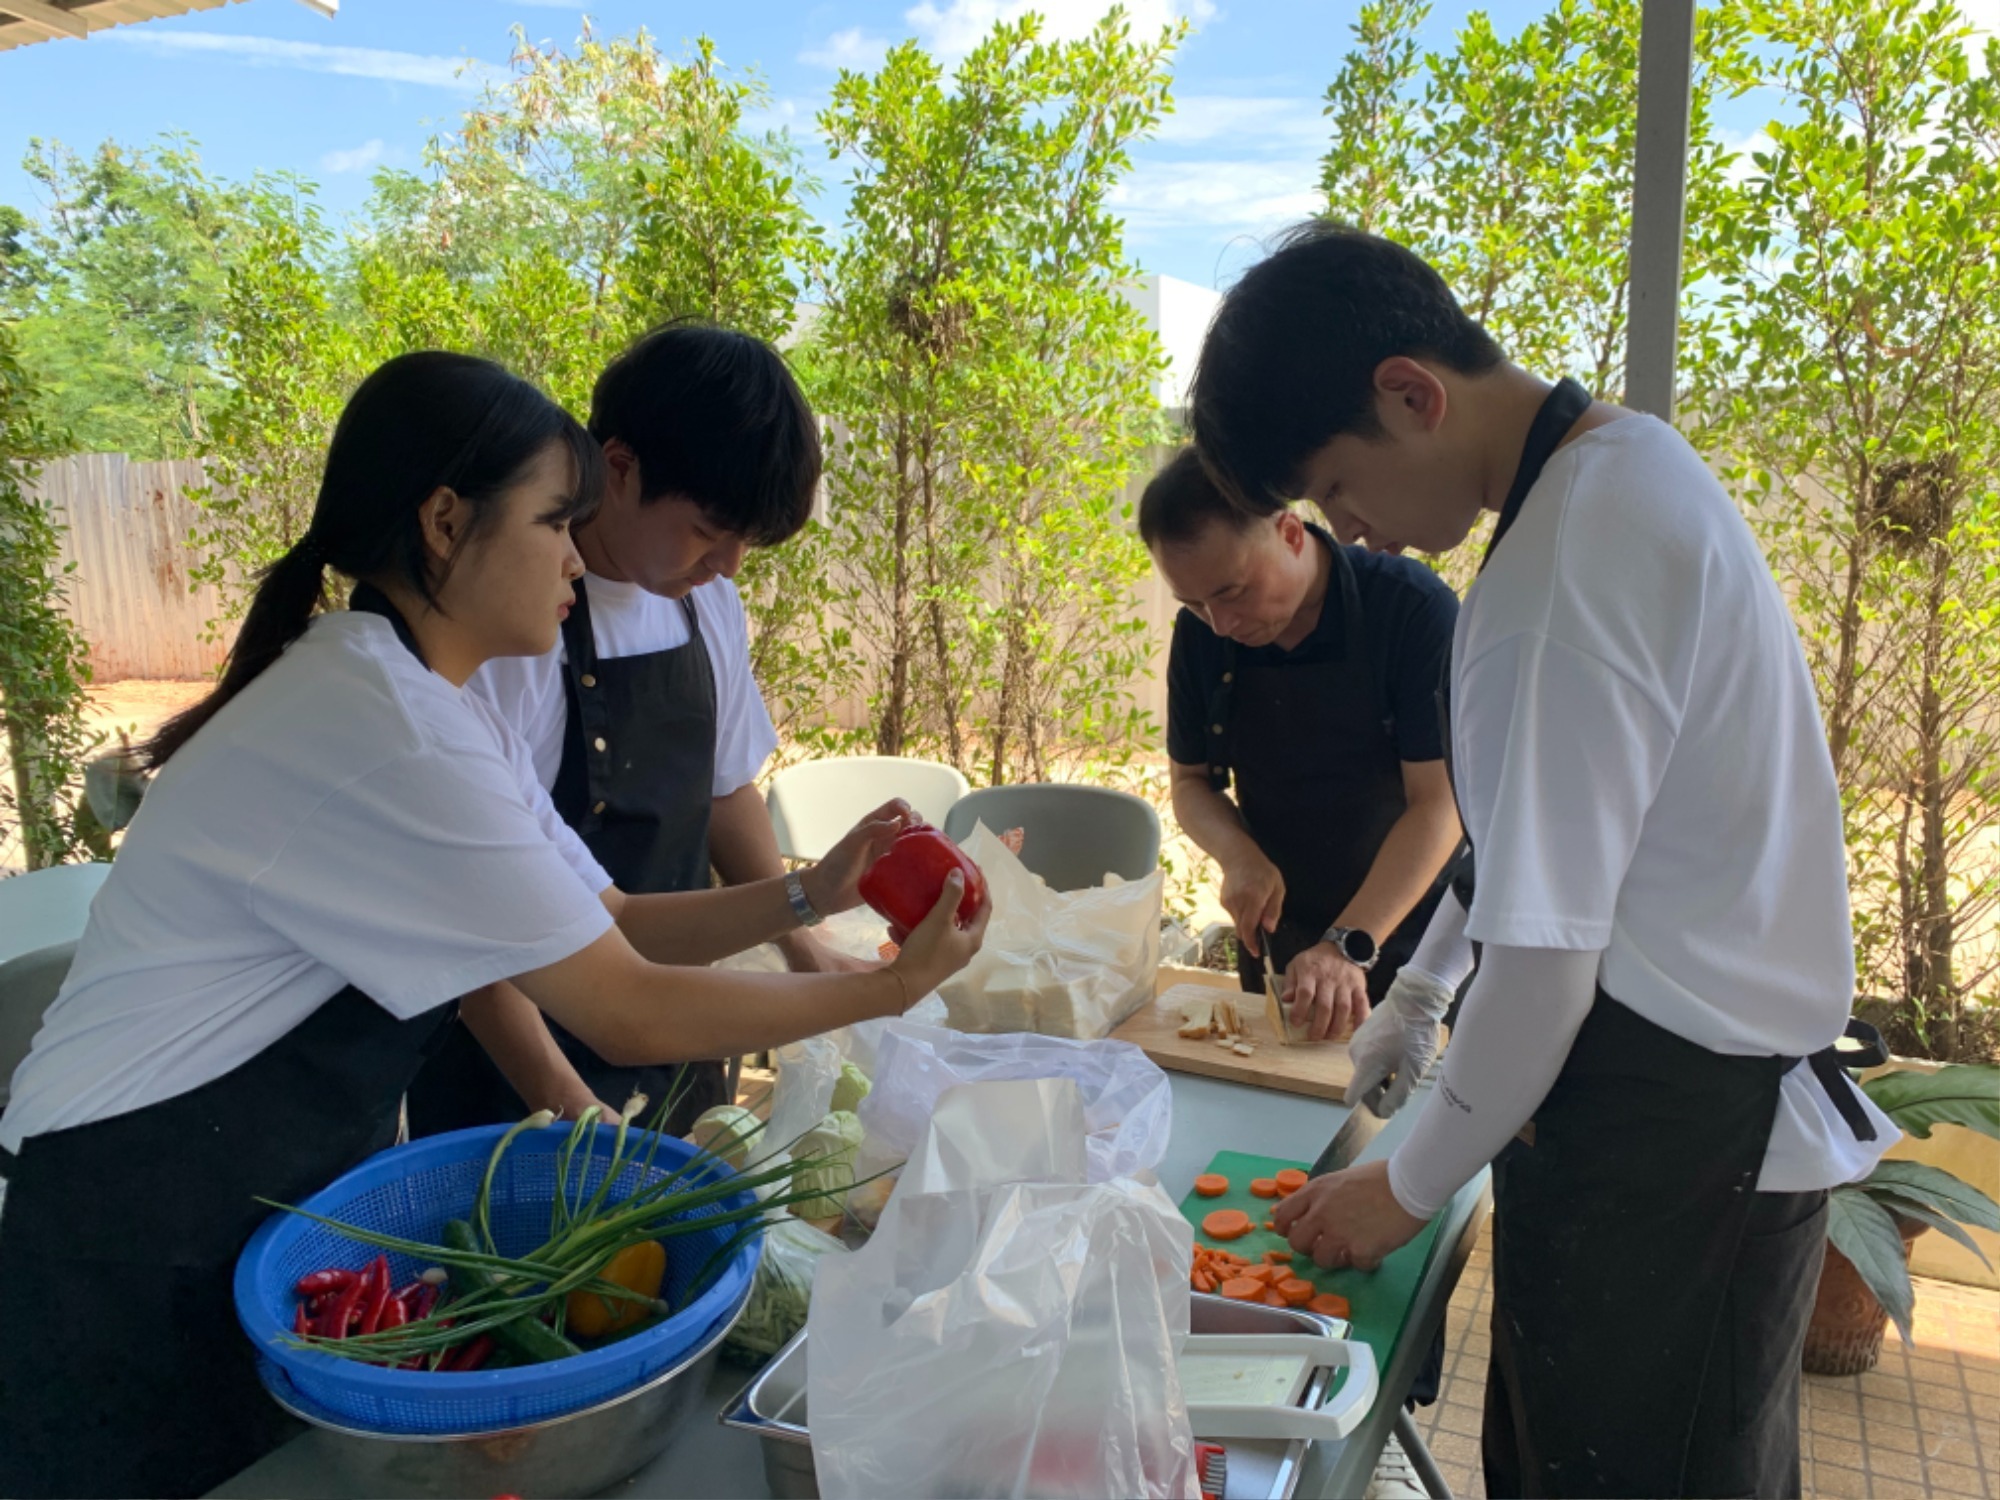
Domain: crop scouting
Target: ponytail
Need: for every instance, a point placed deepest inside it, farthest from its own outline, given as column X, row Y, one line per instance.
column 287, row 594
column 422, row 422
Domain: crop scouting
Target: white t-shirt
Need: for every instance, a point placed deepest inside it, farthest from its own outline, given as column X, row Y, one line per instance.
column 349, row 818
column 1644, row 772
column 628, row 621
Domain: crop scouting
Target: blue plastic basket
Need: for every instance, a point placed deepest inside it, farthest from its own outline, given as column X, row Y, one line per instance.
column 410, row 1191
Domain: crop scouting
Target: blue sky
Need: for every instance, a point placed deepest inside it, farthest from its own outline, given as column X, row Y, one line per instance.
column 270, row 84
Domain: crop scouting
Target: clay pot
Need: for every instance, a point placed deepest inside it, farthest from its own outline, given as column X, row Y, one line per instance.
column 1845, row 1334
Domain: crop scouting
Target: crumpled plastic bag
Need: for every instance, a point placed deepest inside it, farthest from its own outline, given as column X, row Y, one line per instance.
column 1063, row 963
column 1126, row 1100
column 1012, row 1328
column 782, row 1289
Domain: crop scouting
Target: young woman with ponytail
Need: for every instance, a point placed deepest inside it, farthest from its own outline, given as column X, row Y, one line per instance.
column 339, row 844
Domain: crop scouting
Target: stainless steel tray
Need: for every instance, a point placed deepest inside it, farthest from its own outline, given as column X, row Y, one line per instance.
column 773, row 1406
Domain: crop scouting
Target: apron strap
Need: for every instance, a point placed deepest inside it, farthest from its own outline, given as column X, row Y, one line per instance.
column 1830, row 1065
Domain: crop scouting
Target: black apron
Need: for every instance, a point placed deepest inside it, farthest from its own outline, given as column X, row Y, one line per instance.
column 636, row 783
column 1319, row 782
column 1650, row 1304
column 123, row 1370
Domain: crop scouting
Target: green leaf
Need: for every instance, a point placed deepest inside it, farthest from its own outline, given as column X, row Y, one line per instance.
column 1966, row 1094
column 1861, row 1229
column 1937, row 1189
column 1909, row 1208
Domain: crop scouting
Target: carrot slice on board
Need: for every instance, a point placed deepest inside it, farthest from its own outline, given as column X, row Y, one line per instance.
column 1277, row 1257
column 1211, row 1184
column 1290, row 1181
column 1242, row 1289
column 1330, row 1305
column 1263, row 1187
column 1226, row 1224
column 1203, row 1282
column 1268, row 1224
column 1298, row 1291
column 1275, row 1300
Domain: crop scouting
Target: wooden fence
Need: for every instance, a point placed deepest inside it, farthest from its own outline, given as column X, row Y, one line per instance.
column 126, row 529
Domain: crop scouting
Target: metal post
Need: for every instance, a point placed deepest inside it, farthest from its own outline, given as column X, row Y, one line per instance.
column 1659, row 203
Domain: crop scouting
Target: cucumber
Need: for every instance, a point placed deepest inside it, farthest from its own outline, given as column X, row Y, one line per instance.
column 527, row 1336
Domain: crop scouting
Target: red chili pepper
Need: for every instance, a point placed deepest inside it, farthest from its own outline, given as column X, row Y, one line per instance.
column 333, row 1324
column 301, row 1321
column 332, row 1279
column 904, row 884
column 407, row 1295
column 427, row 1299
column 471, row 1356
column 377, row 1296
column 318, row 1305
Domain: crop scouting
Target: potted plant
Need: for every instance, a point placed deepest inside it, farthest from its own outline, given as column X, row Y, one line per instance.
column 1871, row 1223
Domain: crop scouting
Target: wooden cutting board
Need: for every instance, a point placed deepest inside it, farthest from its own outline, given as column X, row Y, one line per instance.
column 1321, row 1069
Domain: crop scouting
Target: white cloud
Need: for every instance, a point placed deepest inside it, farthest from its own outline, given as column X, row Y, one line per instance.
column 852, row 48
column 1246, row 123
column 462, row 74
column 1159, row 197
column 1984, row 18
column 359, row 159
column 1741, row 168
column 959, row 26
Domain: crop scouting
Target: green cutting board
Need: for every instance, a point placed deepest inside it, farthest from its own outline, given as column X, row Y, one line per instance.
column 1380, row 1299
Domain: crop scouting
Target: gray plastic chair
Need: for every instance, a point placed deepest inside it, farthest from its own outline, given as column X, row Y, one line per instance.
column 42, row 914
column 1075, row 835
column 814, row 803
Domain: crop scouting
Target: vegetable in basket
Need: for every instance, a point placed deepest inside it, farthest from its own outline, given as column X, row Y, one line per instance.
column 529, row 1304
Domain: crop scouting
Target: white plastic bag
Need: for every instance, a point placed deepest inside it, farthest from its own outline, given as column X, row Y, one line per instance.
column 782, row 1289
column 1063, row 963
column 1127, row 1102
column 1011, row 1329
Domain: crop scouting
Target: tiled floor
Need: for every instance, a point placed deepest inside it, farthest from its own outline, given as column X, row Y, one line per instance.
column 1925, row 1421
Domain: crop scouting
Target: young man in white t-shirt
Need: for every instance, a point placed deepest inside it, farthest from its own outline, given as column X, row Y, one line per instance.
column 1660, row 889
column 645, row 723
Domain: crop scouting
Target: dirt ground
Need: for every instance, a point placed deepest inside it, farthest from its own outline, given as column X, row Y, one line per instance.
column 139, row 708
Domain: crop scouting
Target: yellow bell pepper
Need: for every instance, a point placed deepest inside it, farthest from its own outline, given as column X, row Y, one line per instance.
column 639, row 1268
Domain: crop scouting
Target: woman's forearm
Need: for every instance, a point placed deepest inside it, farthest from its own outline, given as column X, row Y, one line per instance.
column 633, row 1013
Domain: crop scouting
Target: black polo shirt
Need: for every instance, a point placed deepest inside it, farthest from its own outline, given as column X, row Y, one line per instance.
column 1407, row 614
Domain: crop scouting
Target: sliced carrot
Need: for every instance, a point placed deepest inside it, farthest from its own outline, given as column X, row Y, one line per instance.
column 1268, row 1224
column 1277, row 1257
column 1330, row 1305
column 1275, row 1300
column 1290, row 1181
column 1203, row 1282
column 1242, row 1289
column 1297, row 1291
column 1263, row 1187
column 1226, row 1224
column 1211, row 1185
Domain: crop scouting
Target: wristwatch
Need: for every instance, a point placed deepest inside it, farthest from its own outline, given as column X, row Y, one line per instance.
column 802, row 907
column 1356, row 946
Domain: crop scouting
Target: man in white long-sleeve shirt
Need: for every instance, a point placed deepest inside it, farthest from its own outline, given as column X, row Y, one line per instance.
column 1645, row 1055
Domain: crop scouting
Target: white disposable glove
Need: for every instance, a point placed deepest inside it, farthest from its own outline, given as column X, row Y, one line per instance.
column 1400, row 1036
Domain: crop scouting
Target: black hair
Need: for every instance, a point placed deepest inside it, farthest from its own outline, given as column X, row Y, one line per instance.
column 1289, row 362
column 422, row 422
column 1183, row 500
column 714, row 416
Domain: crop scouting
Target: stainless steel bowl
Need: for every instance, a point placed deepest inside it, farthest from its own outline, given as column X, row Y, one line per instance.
column 578, row 1454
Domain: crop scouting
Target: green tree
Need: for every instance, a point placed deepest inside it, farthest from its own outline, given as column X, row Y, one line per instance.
column 1862, row 414
column 993, row 386
column 44, row 661
column 118, row 287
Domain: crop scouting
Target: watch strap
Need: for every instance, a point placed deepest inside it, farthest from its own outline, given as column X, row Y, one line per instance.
column 802, row 907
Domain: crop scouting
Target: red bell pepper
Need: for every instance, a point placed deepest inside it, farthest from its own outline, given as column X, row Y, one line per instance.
column 471, row 1356
column 905, row 883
